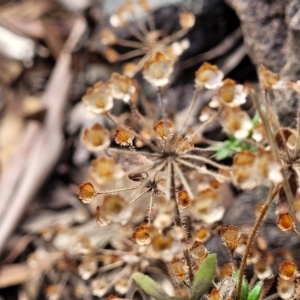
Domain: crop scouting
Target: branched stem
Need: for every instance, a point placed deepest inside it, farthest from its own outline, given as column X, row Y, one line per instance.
column 272, row 194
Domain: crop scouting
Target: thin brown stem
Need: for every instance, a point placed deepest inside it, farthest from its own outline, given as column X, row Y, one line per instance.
column 183, row 180
column 117, row 191
column 131, row 44
column 175, row 36
column 272, row 194
column 188, row 114
column 205, row 160
column 178, row 222
column 133, row 53
column 124, row 151
column 286, row 186
column 203, row 126
column 202, row 170
column 161, row 103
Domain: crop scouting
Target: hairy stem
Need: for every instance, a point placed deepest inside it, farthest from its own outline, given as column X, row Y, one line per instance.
column 272, row 194
column 178, row 222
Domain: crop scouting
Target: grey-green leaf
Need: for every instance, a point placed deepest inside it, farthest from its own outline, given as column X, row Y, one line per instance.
column 204, row 277
column 254, row 294
column 245, row 287
column 150, row 287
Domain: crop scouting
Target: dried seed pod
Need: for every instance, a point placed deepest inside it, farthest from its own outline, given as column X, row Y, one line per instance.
column 101, row 218
column 104, row 169
column 230, row 236
column 139, row 177
column 236, row 122
column 163, row 130
column 181, row 144
column 123, row 137
column 98, row 99
column 111, row 55
column 95, row 138
column 290, row 137
column 87, row 192
column 88, row 267
column 285, row 222
column 186, row 19
column 178, row 268
column 158, row 69
column 107, row 37
column 287, row 270
column 99, row 287
column 208, row 76
column 285, row 288
column 122, row 88
column 214, row 295
column 231, row 94
column 202, row 234
column 183, row 199
column 267, row 78
column 141, row 235
column 262, row 269
column 198, row 251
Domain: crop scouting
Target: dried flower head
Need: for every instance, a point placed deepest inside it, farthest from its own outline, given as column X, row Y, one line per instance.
column 236, row 122
column 123, row 137
column 208, row 76
column 287, row 270
column 186, row 19
column 262, row 268
column 230, row 236
column 158, row 69
column 88, row 267
column 198, row 251
column 183, row 198
column 243, row 170
column 87, row 192
column 285, row 288
column 141, row 235
column 267, row 78
column 99, row 287
column 98, row 99
column 202, row 234
column 178, row 268
column 181, row 144
column 231, row 94
column 107, row 37
column 95, row 138
column 111, row 54
column 285, row 222
column 122, row 88
column 163, row 130
column 115, row 206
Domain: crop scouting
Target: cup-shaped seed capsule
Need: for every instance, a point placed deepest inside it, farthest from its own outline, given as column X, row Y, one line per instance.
column 141, row 235
column 285, row 222
column 86, row 192
column 208, row 76
column 287, row 270
column 231, row 236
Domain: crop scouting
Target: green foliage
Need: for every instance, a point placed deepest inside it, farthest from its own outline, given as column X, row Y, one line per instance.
column 245, row 287
column 204, row 277
column 150, row 287
column 232, row 145
column 203, row 281
column 255, row 293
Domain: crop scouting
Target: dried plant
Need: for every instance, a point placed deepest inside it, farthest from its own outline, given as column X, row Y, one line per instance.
column 165, row 189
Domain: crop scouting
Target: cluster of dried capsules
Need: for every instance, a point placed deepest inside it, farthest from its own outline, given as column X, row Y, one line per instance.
column 160, row 162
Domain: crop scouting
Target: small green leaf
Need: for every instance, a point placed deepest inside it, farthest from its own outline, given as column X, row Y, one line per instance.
column 218, row 146
column 245, row 287
column 204, row 277
column 255, row 119
column 150, row 287
column 254, row 294
column 222, row 154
